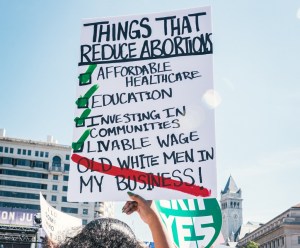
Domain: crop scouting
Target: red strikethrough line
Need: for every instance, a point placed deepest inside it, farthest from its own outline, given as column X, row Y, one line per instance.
column 126, row 173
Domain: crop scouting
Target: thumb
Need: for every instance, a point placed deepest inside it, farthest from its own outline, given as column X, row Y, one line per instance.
column 141, row 201
column 137, row 198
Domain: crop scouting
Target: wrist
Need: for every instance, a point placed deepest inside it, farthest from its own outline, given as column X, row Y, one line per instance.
column 154, row 221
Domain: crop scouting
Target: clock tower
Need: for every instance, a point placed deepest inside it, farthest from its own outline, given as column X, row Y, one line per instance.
column 231, row 205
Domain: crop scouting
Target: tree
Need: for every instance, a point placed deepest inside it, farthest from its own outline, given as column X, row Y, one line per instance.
column 252, row 244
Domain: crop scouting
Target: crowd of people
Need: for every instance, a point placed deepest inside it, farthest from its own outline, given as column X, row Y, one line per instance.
column 113, row 233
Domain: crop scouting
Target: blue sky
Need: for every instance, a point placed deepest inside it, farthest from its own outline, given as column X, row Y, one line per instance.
column 256, row 71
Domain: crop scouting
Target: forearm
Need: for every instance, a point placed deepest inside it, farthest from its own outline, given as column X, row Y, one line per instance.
column 149, row 214
column 159, row 233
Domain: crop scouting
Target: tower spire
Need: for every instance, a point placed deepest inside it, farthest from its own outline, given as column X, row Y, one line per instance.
column 231, row 203
column 230, row 186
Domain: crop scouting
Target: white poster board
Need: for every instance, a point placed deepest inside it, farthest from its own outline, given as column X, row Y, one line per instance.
column 142, row 122
column 56, row 224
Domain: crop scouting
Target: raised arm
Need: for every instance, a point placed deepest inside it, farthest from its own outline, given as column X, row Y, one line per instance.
column 147, row 212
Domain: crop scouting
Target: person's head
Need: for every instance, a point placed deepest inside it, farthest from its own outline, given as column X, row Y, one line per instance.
column 104, row 233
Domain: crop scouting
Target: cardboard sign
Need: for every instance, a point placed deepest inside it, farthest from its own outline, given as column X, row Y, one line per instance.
column 142, row 122
column 191, row 223
column 56, row 224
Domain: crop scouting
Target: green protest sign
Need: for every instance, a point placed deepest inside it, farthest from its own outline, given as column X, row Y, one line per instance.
column 193, row 223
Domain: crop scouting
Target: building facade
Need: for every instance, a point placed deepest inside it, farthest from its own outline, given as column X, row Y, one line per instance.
column 281, row 232
column 232, row 211
column 29, row 167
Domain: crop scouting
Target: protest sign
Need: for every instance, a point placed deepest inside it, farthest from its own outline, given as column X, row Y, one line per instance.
column 142, row 122
column 191, row 223
column 56, row 224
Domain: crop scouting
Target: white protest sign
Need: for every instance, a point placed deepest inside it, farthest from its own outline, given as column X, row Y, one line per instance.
column 58, row 225
column 142, row 120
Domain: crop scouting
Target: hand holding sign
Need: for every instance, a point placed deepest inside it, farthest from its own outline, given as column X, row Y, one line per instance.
column 147, row 212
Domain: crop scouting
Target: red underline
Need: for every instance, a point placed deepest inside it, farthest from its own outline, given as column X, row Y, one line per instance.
column 194, row 190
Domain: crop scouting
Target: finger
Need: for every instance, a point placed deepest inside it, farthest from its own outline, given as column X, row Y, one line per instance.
column 131, row 210
column 129, row 205
column 140, row 200
column 133, row 206
column 126, row 205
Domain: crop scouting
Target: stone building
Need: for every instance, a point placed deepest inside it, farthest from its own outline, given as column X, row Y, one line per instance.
column 281, row 232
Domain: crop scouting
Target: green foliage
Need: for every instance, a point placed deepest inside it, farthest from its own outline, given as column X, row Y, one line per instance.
column 252, row 244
